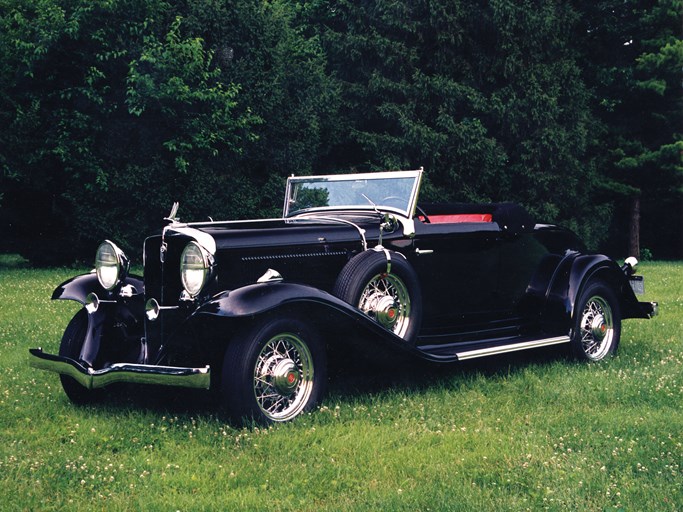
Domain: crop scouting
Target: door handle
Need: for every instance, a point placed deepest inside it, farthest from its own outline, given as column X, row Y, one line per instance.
column 420, row 252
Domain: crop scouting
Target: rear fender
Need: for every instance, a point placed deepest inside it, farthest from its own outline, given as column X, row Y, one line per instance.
column 572, row 274
column 605, row 269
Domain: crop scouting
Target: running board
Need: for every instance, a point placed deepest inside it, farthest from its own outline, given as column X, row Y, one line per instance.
column 513, row 347
column 464, row 351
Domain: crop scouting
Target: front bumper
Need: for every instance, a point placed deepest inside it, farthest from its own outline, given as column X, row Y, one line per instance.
column 199, row 378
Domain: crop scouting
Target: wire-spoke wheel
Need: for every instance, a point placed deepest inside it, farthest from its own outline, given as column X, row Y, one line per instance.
column 283, row 377
column 274, row 371
column 384, row 286
column 386, row 299
column 597, row 324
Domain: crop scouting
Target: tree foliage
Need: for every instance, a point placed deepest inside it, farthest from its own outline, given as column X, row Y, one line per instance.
column 486, row 95
column 117, row 108
column 633, row 64
column 113, row 109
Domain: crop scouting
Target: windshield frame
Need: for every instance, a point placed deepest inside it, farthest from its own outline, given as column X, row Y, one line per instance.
column 408, row 212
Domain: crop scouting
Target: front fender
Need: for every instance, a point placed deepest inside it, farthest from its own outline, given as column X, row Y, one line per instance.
column 334, row 318
column 77, row 288
column 259, row 298
column 111, row 310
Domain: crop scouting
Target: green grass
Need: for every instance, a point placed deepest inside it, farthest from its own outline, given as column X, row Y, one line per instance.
column 530, row 431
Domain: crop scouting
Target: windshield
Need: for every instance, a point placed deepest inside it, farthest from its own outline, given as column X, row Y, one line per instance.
column 393, row 191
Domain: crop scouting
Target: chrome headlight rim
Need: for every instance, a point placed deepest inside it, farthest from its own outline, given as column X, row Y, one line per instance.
column 109, row 257
column 194, row 288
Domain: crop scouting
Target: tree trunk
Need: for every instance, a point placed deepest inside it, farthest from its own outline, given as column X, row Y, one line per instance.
column 634, row 234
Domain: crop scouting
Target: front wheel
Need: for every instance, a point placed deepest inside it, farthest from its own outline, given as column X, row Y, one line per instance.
column 273, row 371
column 597, row 323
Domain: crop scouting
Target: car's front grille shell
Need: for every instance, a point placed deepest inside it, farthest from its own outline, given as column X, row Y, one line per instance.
column 162, row 283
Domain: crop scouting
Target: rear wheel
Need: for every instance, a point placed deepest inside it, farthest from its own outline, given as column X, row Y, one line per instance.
column 71, row 345
column 273, row 371
column 597, row 323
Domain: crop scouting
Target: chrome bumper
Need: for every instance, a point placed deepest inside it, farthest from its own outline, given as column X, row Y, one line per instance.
column 121, row 372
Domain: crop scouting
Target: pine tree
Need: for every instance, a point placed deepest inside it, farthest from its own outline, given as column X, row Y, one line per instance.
column 633, row 61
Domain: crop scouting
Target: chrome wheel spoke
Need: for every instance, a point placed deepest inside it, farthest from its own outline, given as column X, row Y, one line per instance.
column 261, row 382
column 283, row 377
column 597, row 329
column 385, row 299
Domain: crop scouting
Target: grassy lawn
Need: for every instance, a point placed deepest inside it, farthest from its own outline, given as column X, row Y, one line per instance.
column 531, row 431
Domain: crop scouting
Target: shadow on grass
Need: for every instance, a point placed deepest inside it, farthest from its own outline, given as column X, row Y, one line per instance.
column 367, row 377
column 362, row 378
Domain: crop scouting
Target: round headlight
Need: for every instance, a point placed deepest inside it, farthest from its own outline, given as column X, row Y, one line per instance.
column 195, row 266
column 111, row 265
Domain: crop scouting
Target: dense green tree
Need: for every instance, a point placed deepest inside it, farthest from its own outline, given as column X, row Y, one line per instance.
column 117, row 108
column 283, row 81
column 113, row 109
column 487, row 96
column 113, row 103
column 633, row 62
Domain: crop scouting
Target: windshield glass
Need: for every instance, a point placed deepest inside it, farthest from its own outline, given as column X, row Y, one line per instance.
column 393, row 191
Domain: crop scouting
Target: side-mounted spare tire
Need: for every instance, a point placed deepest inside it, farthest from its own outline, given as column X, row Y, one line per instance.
column 384, row 286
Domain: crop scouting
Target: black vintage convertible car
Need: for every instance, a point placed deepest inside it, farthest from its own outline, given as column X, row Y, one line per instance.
column 250, row 309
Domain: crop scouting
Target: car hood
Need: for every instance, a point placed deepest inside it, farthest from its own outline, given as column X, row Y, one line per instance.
column 276, row 232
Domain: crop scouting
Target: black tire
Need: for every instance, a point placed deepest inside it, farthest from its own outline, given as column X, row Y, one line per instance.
column 597, row 323
column 393, row 299
column 70, row 346
column 273, row 371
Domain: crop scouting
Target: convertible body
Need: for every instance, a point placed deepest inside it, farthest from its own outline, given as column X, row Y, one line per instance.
column 251, row 308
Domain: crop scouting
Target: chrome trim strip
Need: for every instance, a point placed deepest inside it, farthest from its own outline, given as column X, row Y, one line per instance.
column 213, row 223
column 199, row 378
column 513, row 347
column 268, row 257
column 333, row 220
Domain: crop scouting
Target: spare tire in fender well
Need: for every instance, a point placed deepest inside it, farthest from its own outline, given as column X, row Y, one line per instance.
column 384, row 286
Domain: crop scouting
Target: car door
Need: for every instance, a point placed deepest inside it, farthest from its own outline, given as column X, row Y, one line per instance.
column 458, row 268
column 526, row 266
